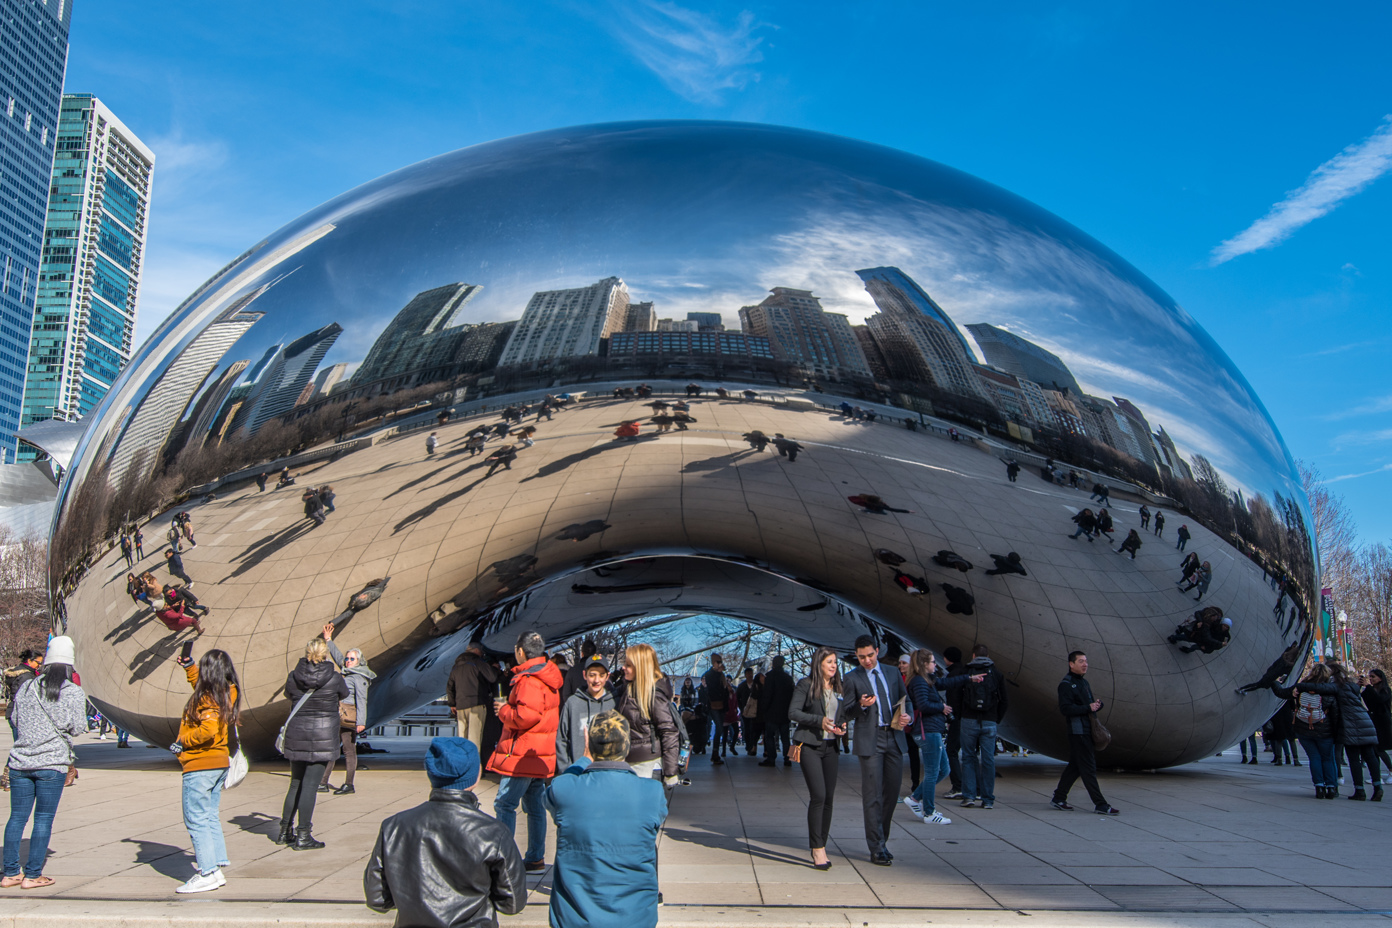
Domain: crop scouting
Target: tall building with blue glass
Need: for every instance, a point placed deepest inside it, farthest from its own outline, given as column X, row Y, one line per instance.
column 33, row 59
column 93, row 250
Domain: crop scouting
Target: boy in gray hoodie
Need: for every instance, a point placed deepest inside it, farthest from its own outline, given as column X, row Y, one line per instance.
column 583, row 705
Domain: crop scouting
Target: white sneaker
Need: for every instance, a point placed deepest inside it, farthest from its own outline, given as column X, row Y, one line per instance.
column 915, row 807
column 198, row 883
column 937, row 818
column 222, row 880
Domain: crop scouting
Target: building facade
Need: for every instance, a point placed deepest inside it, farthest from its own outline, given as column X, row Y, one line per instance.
column 33, row 60
column 419, row 336
column 280, row 385
column 688, row 346
column 707, row 322
column 93, row 253
column 918, row 339
column 567, row 323
column 641, row 317
column 1009, row 352
column 801, row 332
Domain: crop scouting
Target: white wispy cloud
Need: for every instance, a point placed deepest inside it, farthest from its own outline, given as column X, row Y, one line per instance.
column 1367, row 473
column 694, row 54
column 1330, row 184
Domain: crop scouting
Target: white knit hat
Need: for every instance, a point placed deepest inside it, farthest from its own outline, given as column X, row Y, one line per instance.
column 60, row 651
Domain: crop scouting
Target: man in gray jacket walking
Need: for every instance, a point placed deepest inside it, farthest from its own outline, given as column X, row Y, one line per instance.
column 582, row 706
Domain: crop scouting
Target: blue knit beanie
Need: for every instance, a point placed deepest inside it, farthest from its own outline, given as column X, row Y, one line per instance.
column 452, row 763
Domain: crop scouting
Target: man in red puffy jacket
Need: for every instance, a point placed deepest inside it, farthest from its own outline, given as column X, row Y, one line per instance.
column 526, row 753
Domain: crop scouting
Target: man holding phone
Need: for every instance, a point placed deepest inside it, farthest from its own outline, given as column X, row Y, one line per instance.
column 875, row 701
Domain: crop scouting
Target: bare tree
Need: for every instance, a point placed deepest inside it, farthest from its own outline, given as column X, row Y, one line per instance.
column 1367, row 599
column 1335, row 533
column 24, row 621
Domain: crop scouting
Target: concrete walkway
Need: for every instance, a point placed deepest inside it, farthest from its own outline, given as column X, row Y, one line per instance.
column 1212, row 843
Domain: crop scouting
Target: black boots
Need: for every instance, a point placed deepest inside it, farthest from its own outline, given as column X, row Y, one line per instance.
column 304, row 841
column 287, row 834
column 1359, row 795
column 1377, row 792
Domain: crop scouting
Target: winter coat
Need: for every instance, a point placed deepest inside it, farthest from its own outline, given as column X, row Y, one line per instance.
column 776, row 696
column 807, row 714
column 1378, row 699
column 1075, row 703
column 1321, row 730
column 926, row 698
column 358, row 678
column 205, row 744
column 717, row 693
column 995, row 679
column 530, row 717
column 607, row 819
column 573, row 728
column 1085, row 521
column 445, row 864
column 1355, row 725
column 471, row 682
column 312, row 735
column 46, row 729
column 659, row 730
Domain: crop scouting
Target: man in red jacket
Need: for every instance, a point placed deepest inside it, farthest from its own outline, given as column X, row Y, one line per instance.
column 526, row 753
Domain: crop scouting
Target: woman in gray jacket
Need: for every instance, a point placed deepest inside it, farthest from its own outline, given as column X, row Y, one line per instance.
column 49, row 711
column 359, row 677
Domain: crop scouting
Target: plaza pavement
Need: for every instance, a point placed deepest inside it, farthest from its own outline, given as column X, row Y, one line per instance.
column 1210, row 843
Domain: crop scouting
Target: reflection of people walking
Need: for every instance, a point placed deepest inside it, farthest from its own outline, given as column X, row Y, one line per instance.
column 1160, row 524
column 1131, row 545
column 1183, row 537
column 503, row 458
column 1076, row 703
column 757, row 440
column 431, row 443
column 175, row 563
column 1145, row 516
column 786, row 447
column 1012, row 470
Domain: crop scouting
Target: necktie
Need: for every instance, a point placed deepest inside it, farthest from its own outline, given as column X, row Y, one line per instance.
column 882, row 696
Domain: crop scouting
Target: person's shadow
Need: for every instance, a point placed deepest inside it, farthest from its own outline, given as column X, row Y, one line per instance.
column 147, row 660
column 165, row 859
column 257, row 823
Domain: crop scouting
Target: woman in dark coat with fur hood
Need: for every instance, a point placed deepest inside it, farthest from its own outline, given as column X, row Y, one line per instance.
column 311, row 740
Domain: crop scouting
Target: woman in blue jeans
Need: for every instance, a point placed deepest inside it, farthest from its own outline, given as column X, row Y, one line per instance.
column 929, row 729
column 1316, row 718
column 207, row 730
column 49, row 711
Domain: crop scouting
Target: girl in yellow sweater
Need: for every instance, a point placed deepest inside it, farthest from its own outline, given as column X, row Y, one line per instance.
column 209, row 720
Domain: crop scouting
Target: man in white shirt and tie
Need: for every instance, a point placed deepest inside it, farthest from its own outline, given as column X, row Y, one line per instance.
column 872, row 695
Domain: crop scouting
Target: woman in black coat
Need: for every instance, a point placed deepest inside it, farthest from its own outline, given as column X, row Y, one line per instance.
column 311, row 739
column 1377, row 696
column 1355, row 732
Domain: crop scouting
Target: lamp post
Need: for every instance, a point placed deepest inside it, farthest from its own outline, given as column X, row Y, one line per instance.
column 1343, row 636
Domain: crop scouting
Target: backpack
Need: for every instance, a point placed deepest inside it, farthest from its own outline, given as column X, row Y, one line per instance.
column 1310, row 709
column 981, row 697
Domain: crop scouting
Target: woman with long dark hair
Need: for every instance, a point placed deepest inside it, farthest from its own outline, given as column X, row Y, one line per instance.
column 816, row 710
column 311, row 740
column 930, row 728
column 1354, row 731
column 207, row 730
column 644, row 698
column 48, row 712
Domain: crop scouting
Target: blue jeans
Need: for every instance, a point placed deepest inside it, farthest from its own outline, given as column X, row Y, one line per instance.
column 935, row 767
column 36, row 791
column 978, row 760
column 1321, row 754
column 526, row 790
column 202, row 793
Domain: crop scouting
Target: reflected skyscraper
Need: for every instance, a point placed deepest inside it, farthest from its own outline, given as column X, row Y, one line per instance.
column 1009, row 352
column 707, row 322
column 275, row 393
column 918, row 339
column 33, row 57
column 567, row 323
column 641, row 317
column 419, row 337
column 800, row 331
column 94, row 246
column 154, row 420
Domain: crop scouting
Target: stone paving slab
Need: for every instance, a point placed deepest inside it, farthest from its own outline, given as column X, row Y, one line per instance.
column 734, row 851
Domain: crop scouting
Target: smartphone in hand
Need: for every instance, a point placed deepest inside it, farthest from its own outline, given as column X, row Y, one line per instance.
column 186, row 653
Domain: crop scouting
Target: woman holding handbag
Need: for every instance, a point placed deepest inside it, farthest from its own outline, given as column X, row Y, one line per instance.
column 352, row 712
column 309, row 740
column 49, row 711
column 816, row 711
column 207, row 729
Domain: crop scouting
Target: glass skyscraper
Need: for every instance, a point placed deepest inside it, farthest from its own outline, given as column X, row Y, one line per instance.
column 93, row 249
column 33, row 58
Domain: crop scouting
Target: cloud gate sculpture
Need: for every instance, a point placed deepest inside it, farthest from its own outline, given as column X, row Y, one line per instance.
column 892, row 376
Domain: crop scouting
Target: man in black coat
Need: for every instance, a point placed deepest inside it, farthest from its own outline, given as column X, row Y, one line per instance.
column 872, row 694
column 777, row 696
column 446, row 862
column 1077, row 704
column 717, row 701
column 470, row 691
column 952, row 657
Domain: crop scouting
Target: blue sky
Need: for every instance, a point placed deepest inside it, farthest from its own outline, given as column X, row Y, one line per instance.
column 1233, row 158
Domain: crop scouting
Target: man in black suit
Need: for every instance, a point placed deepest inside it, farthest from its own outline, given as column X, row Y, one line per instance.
column 774, row 702
column 872, row 694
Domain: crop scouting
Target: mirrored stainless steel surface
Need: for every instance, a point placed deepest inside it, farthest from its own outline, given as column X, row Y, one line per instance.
column 978, row 328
